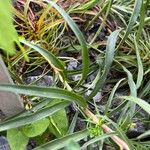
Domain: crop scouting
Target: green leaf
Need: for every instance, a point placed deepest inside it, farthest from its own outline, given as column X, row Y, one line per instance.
column 80, row 37
column 110, row 51
column 96, row 139
column 145, row 90
column 135, row 14
column 133, row 92
column 24, row 120
column 88, row 5
column 142, row 18
column 73, row 146
column 140, row 65
column 51, row 58
column 108, row 8
column 55, row 127
column 144, row 135
column 110, row 99
column 8, row 34
column 36, row 128
column 16, row 139
column 48, row 92
column 62, row 142
column 143, row 104
column 131, row 83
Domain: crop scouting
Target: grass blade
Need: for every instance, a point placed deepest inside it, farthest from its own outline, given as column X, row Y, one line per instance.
column 135, row 14
column 96, row 139
column 143, row 104
column 145, row 90
column 48, row 92
column 20, row 121
column 144, row 135
column 131, row 83
column 103, row 23
column 80, row 37
column 62, row 142
column 87, row 5
column 111, row 96
column 110, row 51
column 140, row 65
column 142, row 18
column 133, row 92
column 52, row 59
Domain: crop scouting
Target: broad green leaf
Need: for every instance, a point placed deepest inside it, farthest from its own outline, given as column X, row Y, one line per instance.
column 48, row 92
column 55, row 127
column 62, row 142
column 8, row 34
column 51, row 58
column 135, row 14
column 20, row 121
column 143, row 104
column 110, row 51
column 80, row 37
column 36, row 128
column 16, row 139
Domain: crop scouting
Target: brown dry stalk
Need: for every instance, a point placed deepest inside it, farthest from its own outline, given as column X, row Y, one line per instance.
column 106, row 129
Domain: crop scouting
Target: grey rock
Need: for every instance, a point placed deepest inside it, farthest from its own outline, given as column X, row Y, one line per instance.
column 40, row 81
column 97, row 97
column 4, row 143
column 72, row 65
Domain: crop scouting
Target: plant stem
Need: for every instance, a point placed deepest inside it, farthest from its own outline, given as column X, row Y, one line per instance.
column 106, row 129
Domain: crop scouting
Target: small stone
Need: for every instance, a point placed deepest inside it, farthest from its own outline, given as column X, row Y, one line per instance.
column 4, row 143
column 72, row 65
column 76, row 77
column 97, row 97
column 40, row 81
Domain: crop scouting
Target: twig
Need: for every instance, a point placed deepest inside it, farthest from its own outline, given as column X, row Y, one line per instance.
column 106, row 129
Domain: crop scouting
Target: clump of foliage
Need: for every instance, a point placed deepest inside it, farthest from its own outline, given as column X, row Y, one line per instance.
column 124, row 50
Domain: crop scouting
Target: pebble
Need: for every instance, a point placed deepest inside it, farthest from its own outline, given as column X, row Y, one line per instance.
column 41, row 81
column 4, row 143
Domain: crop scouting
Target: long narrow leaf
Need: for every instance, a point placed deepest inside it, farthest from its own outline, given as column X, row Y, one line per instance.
column 60, row 143
column 143, row 104
column 145, row 134
column 96, row 139
column 110, row 51
column 20, row 121
column 131, row 83
column 52, row 59
column 140, row 65
column 135, row 14
column 80, row 37
column 111, row 96
column 48, row 92
column 133, row 92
